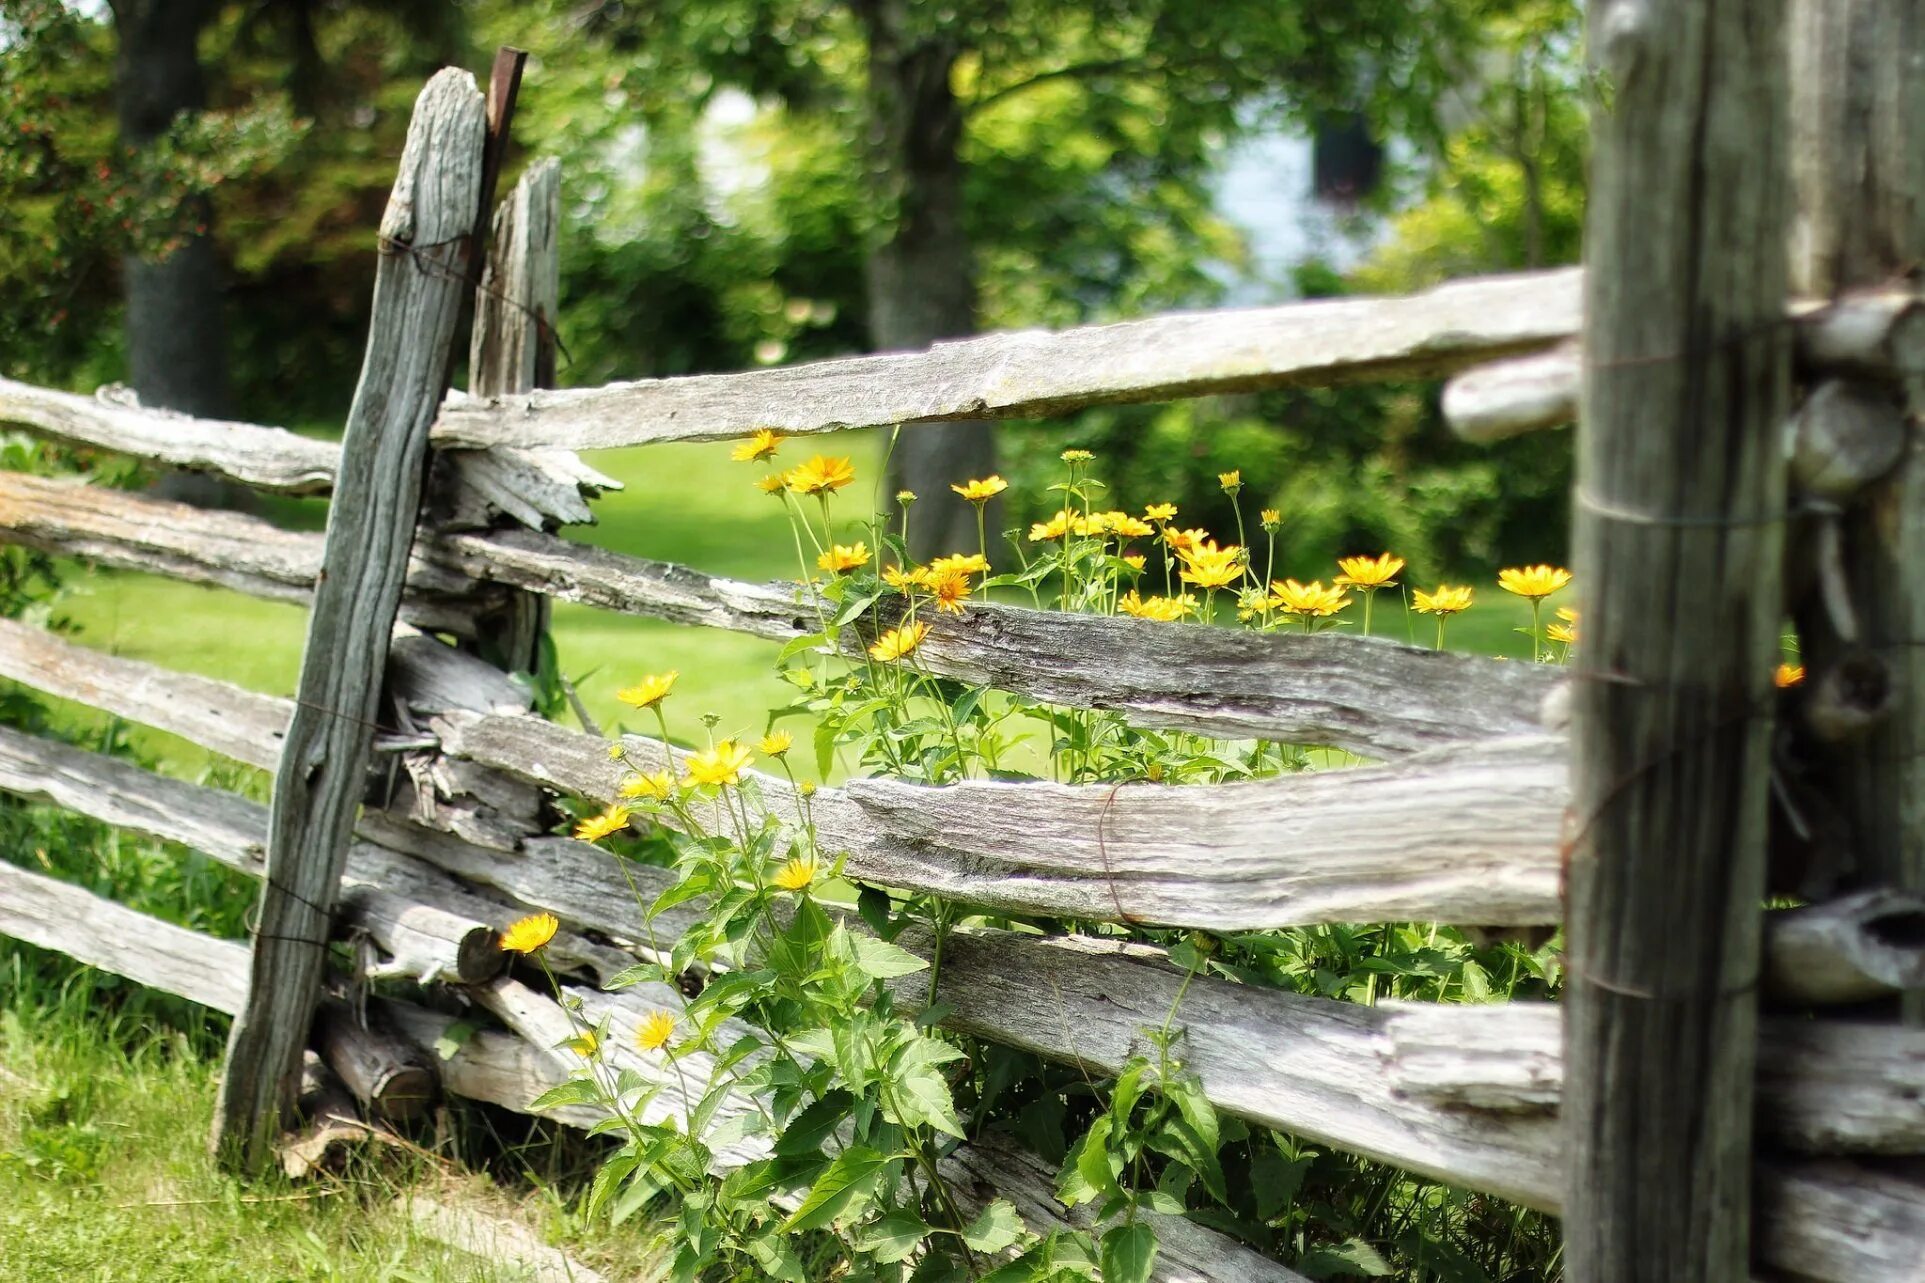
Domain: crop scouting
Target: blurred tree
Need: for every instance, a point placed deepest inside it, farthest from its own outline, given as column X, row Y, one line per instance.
column 932, row 96
column 176, row 338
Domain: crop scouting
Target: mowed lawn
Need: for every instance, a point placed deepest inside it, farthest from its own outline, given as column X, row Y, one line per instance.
column 682, row 503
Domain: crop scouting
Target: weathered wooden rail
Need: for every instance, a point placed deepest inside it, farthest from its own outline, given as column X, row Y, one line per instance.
column 1463, row 815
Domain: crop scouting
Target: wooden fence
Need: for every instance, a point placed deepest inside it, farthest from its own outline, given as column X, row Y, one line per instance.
column 1467, row 817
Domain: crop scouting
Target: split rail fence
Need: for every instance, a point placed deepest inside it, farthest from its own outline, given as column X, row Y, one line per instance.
column 1464, row 818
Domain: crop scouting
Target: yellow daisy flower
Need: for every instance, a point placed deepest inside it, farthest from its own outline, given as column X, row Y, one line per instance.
column 1271, row 519
column 1164, row 609
column 1159, row 512
column 1534, row 582
column 903, row 580
column 899, row 643
column 652, row 784
column 771, row 484
column 721, row 765
column 983, row 490
column 841, row 557
column 597, row 827
column 1208, row 566
column 583, row 1044
column 1369, row 572
column 651, row 690
column 775, row 744
column 760, row 446
column 1308, row 600
column 1055, row 528
column 1441, row 600
column 1133, row 560
column 959, row 563
column 950, row 591
column 1789, row 675
column 1184, row 540
column 1231, row 481
column 797, row 874
column 1076, row 456
column 819, row 475
column 530, row 933
column 657, row 1027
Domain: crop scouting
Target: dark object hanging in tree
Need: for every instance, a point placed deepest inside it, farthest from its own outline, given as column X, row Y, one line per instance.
column 1346, row 162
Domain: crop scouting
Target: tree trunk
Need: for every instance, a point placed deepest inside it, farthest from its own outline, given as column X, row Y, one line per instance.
column 176, row 336
column 922, row 279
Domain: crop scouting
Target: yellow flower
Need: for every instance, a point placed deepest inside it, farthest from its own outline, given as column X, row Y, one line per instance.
column 775, row 744
column 1133, row 560
column 898, row 643
column 1231, row 481
column 1163, row 609
column 1271, row 519
column 1159, row 512
column 771, row 484
column 583, row 1044
column 652, row 689
column 1311, row 599
column 1055, row 528
column 797, row 874
column 983, row 490
column 1184, row 540
column 617, row 751
column 1441, row 600
column 973, row 563
column 1534, row 582
column 530, row 933
column 1568, row 614
column 841, row 557
column 760, row 446
column 657, row 1027
column 898, row 578
column 722, row 764
column 1252, row 602
column 1789, row 675
column 1077, row 456
column 655, row 784
column 1369, row 572
column 1208, row 566
column 597, row 827
column 819, row 475
column 1562, row 633
column 950, row 591
column 1123, row 524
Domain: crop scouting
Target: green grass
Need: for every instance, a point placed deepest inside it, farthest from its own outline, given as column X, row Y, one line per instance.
column 105, row 1099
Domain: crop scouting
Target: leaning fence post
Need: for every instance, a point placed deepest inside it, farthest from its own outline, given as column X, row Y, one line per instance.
column 1679, row 537
column 419, row 284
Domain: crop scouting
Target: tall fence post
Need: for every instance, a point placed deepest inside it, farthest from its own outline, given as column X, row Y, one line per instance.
column 512, row 350
column 1858, row 170
column 419, row 284
column 1679, row 540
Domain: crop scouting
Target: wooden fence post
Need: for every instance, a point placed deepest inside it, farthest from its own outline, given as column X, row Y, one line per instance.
column 1679, row 538
column 419, row 285
column 1858, row 171
column 512, row 350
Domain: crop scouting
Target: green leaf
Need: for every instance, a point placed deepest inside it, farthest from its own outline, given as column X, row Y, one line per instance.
column 454, row 1038
column 839, row 1190
column 1129, row 1086
column 576, row 1091
column 920, row 1091
column 1274, row 1180
column 893, row 1237
column 609, row 1177
column 874, row 906
column 880, row 960
column 777, row 1259
column 796, row 645
column 1075, row 1185
column 637, row 974
column 1354, row 1256
column 1127, row 1252
column 995, row 1229
column 808, row 1129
